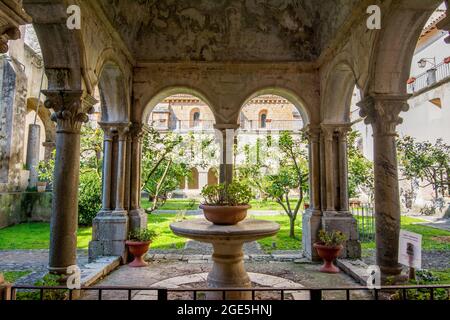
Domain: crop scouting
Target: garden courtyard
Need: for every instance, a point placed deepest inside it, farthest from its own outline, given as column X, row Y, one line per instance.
column 175, row 262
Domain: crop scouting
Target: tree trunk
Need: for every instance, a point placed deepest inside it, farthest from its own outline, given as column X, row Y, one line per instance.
column 292, row 228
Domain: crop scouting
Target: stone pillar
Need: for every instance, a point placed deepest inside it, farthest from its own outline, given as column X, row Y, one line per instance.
column 382, row 112
column 108, row 139
column 33, row 150
column 202, row 178
column 226, row 133
column 138, row 217
column 110, row 226
column 343, row 168
column 336, row 215
column 69, row 115
column 313, row 215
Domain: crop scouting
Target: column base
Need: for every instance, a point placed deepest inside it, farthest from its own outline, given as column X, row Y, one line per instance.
column 347, row 224
column 109, row 233
column 138, row 219
column 311, row 222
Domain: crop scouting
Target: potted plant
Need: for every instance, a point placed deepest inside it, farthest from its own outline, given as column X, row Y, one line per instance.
column 329, row 247
column 226, row 204
column 138, row 243
column 45, row 174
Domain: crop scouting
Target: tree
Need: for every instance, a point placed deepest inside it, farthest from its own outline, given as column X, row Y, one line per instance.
column 425, row 162
column 293, row 174
column 161, row 174
column 360, row 169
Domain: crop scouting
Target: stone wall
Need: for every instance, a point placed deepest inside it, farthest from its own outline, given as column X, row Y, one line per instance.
column 18, row 207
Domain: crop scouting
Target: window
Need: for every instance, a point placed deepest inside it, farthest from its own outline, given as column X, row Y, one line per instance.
column 263, row 119
column 194, row 120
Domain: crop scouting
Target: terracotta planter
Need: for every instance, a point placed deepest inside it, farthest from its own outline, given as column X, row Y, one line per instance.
column 328, row 254
column 138, row 250
column 306, row 206
column 41, row 186
column 225, row 215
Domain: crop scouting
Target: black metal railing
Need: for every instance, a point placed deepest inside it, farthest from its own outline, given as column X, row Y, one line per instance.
column 364, row 215
column 162, row 294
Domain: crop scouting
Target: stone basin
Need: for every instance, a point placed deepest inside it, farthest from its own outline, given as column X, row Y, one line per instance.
column 228, row 269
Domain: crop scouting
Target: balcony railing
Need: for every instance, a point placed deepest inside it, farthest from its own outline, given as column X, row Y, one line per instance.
column 429, row 78
column 271, row 125
column 246, row 125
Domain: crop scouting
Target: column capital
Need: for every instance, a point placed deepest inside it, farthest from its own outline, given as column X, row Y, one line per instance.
column 137, row 131
column 383, row 112
column 70, row 111
column 12, row 16
column 312, row 132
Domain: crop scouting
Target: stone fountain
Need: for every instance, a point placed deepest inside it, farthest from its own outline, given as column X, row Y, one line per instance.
column 228, row 269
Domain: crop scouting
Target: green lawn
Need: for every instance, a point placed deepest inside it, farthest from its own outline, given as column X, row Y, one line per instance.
column 192, row 204
column 432, row 238
column 36, row 235
column 13, row 276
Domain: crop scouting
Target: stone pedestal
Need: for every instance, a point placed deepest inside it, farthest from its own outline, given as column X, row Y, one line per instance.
column 348, row 225
column 111, row 226
column 228, row 269
column 109, row 233
column 311, row 224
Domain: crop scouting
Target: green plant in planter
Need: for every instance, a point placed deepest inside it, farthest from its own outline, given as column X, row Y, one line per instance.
column 331, row 239
column 142, row 235
column 235, row 193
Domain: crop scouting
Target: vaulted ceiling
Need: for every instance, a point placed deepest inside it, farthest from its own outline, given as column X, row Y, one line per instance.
column 227, row 30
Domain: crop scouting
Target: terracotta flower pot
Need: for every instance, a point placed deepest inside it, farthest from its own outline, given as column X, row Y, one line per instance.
column 225, row 215
column 138, row 250
column 41, row 186
column 306, row 205
column 328, row 254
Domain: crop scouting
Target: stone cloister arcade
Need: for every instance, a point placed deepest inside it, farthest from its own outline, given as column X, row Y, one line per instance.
column 308, row 53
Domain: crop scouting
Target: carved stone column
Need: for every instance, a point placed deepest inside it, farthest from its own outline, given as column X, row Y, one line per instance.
column 327, row 138
column 336, row 215
column 382, row 112
column 343, row 168
column 312, row 217
column 108, row 139
column 69, row 115
column 12, row 16
column 110, row 227
column 138, row 217
column 226, row 134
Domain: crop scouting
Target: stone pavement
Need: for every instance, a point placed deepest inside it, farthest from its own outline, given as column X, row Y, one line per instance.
column 175, row 274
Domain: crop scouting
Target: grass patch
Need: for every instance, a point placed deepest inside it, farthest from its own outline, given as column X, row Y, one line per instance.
column 174, row 204
column 13, row 276
column 432, row 238
column 36, row 236
column 166, row 239
column 282, row 239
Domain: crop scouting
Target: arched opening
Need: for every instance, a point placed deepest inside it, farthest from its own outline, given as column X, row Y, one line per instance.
column 193, row 180
column 183, row 126
column 213, row 177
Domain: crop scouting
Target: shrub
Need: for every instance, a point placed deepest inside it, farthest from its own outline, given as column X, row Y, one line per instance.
column 142, row 235
column 90, row 197
column 234, row 194
column 331, row 239
column 49, row 280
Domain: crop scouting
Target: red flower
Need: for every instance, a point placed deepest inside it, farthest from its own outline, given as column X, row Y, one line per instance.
column 447, row 60
column 411, row 80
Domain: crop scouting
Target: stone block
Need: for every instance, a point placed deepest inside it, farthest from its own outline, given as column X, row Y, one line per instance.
column 348, row 226
column 110, row 228
column 311, row 225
